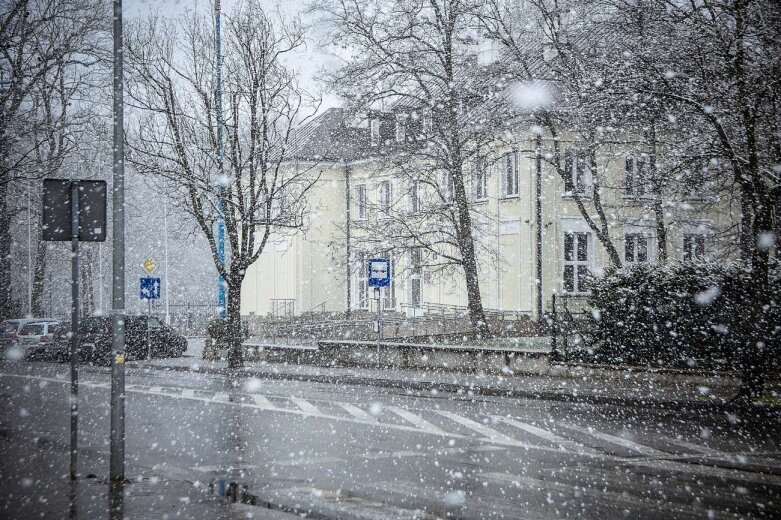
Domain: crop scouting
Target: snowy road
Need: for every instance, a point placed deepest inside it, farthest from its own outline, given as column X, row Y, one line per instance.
column 366, row 452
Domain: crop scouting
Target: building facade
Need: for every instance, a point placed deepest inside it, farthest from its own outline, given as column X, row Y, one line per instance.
column 528, row 199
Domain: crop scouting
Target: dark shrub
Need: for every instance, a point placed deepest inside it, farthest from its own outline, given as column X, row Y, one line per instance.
column 693, row 314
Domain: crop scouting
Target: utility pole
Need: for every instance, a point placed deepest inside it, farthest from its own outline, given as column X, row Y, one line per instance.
column 167, row 278
column 74, row 346
column 117, row 458
column 220, row 219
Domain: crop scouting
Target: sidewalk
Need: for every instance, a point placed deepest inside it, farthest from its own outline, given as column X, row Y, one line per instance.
column 598, row 386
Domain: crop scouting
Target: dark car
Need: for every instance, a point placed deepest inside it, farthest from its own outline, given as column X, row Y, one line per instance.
column 145, row 337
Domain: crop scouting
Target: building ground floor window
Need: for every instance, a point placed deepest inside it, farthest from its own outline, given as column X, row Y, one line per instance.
column 577, row 261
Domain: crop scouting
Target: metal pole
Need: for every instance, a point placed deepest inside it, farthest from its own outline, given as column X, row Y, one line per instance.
column 74, row 352
column 117, row 460
column 148, row 316
column 220, row 219
column 377, row 296
column 29, row 253
column 167, row 279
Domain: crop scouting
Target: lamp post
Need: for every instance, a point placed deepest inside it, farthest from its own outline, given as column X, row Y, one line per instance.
column 218, row 106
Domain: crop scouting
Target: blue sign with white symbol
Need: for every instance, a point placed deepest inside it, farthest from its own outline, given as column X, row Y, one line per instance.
column 150, row 288
column 379, row 272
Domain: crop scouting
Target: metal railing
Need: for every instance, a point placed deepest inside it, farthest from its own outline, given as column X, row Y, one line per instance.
column 283, row 307
column 316, row 309
column 460, row 311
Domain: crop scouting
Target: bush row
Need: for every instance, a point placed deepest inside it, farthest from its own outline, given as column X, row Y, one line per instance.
column 693, row 314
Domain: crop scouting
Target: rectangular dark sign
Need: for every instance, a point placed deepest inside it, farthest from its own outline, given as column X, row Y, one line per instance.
column 57, row 210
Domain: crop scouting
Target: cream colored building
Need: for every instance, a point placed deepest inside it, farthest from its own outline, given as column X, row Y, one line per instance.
column 323, row 267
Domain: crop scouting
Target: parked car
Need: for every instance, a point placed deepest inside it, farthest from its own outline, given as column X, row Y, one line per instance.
column 9, row 329
column 35, row 338
column 95, row 337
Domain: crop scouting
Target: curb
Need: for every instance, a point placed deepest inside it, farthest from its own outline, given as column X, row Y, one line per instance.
column 575, row 398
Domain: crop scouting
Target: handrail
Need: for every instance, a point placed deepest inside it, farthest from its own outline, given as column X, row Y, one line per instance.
column 320, row 306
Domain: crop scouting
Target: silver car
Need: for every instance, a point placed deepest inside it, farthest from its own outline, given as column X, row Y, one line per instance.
column 35, row 337
column 9, row 329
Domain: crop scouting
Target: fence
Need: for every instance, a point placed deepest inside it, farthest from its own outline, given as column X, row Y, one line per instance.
column 190, row 319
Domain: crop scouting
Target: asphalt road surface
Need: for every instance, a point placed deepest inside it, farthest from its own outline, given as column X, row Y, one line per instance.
column 334, row 451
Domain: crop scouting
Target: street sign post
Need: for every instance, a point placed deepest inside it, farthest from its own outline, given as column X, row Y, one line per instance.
column 75, row 211
column 150, row 290
column 379, row 276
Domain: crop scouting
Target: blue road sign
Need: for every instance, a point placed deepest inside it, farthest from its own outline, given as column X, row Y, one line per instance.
column 379, row 272
column 150, row 288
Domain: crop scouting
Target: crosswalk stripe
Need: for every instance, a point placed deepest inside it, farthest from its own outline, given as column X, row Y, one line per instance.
column 626, row 443
column 357, row 412
column 482, row 429
column 305, row 406
column 545, row 434
column 262, row 401
column 417, row 420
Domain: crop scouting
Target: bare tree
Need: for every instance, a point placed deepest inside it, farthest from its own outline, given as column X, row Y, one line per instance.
column 45, row 47
column 172, row 82
column 416, row 59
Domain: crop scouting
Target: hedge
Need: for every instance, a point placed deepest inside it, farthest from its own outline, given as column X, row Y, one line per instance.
column 692, row 314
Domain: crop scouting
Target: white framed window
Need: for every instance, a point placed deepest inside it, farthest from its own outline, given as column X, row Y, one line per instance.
column 637, row 181
column 416, row 275
column 363, row 282
column 479, row 181
column 385, row 197
column 694, row 246
column 509, row 169
column 401, row 128
column 360, row 202
column 414, row 196
column 577, row 172
column 428, row 122
column 577, row 261
column 636, row 248
column 374, row 126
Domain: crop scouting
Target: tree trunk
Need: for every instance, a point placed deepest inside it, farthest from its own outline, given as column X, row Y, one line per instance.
column 235, row 353
column 467, row 249
column 759, row 340
column 6, row 304
column 39, row 275
column 661, row 227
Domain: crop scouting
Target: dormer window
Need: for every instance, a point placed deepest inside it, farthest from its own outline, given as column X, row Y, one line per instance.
column 401, row 128
column 374, row 126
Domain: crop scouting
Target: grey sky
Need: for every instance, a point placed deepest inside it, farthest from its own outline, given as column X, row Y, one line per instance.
column 307, row 62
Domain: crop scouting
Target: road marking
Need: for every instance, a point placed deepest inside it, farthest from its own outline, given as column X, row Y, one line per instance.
column 188, row 392
column 358, row 413
column 306, row 406
column 156, row 389
column 626, row 443
column 417, row 420
column 545, row 434
column 262, row 401
column 494, row 439
column 482, row 429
